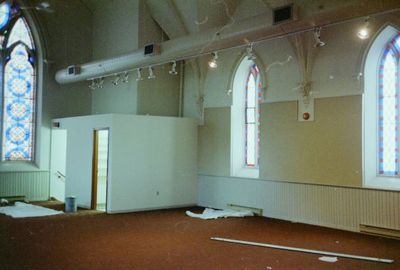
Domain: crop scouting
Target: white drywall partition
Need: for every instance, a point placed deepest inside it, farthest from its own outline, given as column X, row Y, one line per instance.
column 57, row 163
column 152, row 160
column 79, row 159
column 153, row 163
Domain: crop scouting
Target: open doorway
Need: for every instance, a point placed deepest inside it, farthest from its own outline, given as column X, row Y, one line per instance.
column 100, row 170
column 58, row 163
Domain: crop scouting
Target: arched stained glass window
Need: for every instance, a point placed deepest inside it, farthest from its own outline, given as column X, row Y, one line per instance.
column 20, row 33
column 388, row 110
column 18, row 87
column 245, row 119
column 252, row 117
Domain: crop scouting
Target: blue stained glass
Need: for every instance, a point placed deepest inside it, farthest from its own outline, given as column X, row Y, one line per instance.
column 4, row 14
column 19, row 106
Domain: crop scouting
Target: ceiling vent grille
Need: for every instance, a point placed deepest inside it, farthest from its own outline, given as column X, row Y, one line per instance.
column 284, row 14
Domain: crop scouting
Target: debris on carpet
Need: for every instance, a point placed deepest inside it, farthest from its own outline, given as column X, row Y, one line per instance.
column 22, row 210
column 328, row 259
column 209, row 213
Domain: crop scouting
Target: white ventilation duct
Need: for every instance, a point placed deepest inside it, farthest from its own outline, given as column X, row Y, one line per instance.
column 239, row 34
column 176, row 49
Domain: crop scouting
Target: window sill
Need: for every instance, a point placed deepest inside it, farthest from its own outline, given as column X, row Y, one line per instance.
column 18, row 166
column 385, row 183
column 246, row 172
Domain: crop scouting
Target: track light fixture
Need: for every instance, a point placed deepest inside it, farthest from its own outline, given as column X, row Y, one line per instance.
column 100, row 82
column 317, row 38
column 139, row 75
column 363, row 32
column 93, row 85
column 213, row 62
column 117, row 79
column 125, row 77
column 249, row 52
column 151, row 73
column 173, row 69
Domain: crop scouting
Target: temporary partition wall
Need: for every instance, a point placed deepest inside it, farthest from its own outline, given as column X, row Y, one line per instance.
column 152, row 160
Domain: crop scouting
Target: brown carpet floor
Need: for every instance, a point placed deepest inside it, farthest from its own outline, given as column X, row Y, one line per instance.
column 168, row 239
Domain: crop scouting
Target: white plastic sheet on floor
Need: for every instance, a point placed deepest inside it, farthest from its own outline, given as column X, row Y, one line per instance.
column 209, row 213
column 21, row 210
column 328, row 259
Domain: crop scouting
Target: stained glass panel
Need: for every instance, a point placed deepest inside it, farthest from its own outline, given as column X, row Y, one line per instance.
column 388, row 107
column 19, row 106
column 251, row 121
column 20, row 33
column 4, row 14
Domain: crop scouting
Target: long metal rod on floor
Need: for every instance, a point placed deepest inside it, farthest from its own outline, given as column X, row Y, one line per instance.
column 343, row 255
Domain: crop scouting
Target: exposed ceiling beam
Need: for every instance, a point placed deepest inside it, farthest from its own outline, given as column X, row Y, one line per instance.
column 167, row 17
column 252, row 29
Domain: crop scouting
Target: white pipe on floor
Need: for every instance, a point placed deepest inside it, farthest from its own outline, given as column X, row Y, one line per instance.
column 343, row 255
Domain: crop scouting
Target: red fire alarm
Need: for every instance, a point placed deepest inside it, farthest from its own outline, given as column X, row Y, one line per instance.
column 306, row 116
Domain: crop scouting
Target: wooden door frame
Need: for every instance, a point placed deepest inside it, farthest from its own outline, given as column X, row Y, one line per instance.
column 95, row 167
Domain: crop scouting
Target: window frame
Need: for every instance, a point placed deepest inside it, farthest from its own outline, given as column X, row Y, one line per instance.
column 374, row 54
column 238, row 148
column 37, row 163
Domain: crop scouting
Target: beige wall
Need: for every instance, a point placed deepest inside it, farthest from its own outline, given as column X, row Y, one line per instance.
column 215, row 142
column 326, row 151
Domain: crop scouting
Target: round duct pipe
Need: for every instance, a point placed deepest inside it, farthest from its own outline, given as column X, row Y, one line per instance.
column 241, row 33
column 177, row 49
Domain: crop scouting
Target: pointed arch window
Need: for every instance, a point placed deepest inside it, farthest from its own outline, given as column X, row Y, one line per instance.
column 245, row 119
column 381, row 111
column 18, row 86
column 252, row 117
column 388, row 109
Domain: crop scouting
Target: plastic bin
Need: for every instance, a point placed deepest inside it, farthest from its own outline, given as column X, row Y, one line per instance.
column 70, row 204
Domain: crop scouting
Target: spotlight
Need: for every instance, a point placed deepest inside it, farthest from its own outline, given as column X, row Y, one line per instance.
column 173, row 69
column 249, row 52
column 363, row 32
column 213, row 62
column 317, row 38
column 125, row 77
column 92, row 85
column 139, row 75
column 117, row 79
column 151, row 73
column 100, row 82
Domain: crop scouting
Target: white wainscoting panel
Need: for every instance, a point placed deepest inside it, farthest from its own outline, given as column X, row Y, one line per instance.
column 336, row 207
column 33, row 185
